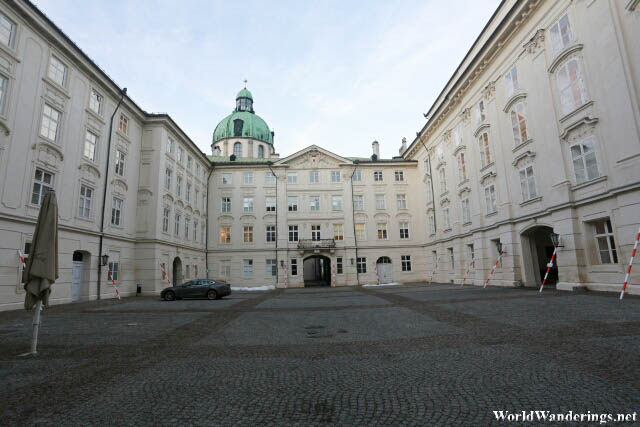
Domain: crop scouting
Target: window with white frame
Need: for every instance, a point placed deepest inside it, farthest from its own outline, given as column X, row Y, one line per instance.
column 271, row 268
column 57, row 71
column 114, row 269
column 462, row 168
column 293, row 233
column 451, row 259
column 404, row 230
column 490, row 198
column 3, row 92
column 571, row 86
column 585, row 162
column 247, row 204
column 314, row 177
column 269, row 178
column 603, row 233
column 165, row 220
column 485, row 152
column 358, row 202
column 361, row 232
column 294, row 267
column 314, row 203
column 519, row 123
column 446, row 218
column 86, row 197
column 472, row 255
column 227, row 178
column 528, row 183
column 176, row 224
column 270, row 203
column 188, row 192
column 511, row 81
column 195, row 230
column 189, row 162
column 443, row 180
column 339, row 265
column 50, row 122
column 432, row 224
column 377, row 176
column 429, row 191
column 338, row 232
column 124, row 124
column 225, row 267
column 405, row 260
column 7, row 30
column 116, row 211
column 90, row 140
column 187, row 225
column 479, row 111
column 292, row 203
column 95, row 101
column 198, row 170
column 292, row 177
column 560, row 34
column 457, row 136
column 466, row 211
column 271, row 233
column 401, row 201
column 315, row 232
column 119, row 169
column 170, row 144
column 335, row 176
column 179, row 186
column 382, row 230
column 225, row 234
column 247, row 178
column 180, row 154
column 361, row 265
column 167, row 178
column 336, row 203
column 196, row 193
column 260, row 152
column 381, row 202
column 357, row 176
column 237, row 149
column 225, row 204
column 247, row 267
column 399, row 176
column 247, row 234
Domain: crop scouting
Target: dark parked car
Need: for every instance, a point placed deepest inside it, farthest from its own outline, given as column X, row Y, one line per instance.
column 198, row 288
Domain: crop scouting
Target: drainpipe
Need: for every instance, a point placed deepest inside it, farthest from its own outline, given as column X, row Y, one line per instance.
column 270, row 163
column 123, row 92
column 206, row 231
column 353, row 220
column 433, row 195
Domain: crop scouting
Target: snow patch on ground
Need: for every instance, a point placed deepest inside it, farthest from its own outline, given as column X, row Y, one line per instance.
column 254, row 288
column 381, row 284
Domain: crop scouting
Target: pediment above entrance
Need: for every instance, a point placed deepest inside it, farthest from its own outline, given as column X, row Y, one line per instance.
column 314, row 157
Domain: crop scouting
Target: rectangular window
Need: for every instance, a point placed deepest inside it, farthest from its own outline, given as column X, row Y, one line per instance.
column 114, row 269
column 561, row 35
column 50, row 122
column 90, row 140
column 528, row 183
column 247, row 204
column 571, row 86
column 457, row 136
column 480, row 116
column 195, row 230
column 472, row 255
column 361, row 233
column 358, row 202
column 188, row 194
column 451, row 259
column 170, row 144
column 429, row 191
column 335, row 176
column 377, row 176
column 269, row 178
column 270, row 203
column 294, row 267
column 511, row 81
column 167, row 178
column 187, row 224
column 315, row 232
column 339, row 267
column 401, row 201
column 361, row 264
column 443, row 181
column 225, row 234
column 292, row 203
column 399, row 176
column 380, row 201
column 3, row 92
column 314, row 177
column 189, row 162
column 227, row 179
column 446, row 218
column 165, row 221
column 195, row 197
column 57, row 71
column 225, row 268
column 195, row 271
column 382, row 231
column 271, row 233
column 406, row 262
column 462, row 169
column 176, row 224
column 585, row 163
column 247, row 267
column 485, row 153
column 404, row 230
column 357, row 176
column 338, row 233
column 603, row 233
column 432, row 224
column 198, row 170
column 116, row 211
column 180, row 154
column 490, row 198
column 247, row 178
column 248, row 234
column 179, row 186
column 7, row 30
column 519, row 123
column 95, row 101
column 124, row 124
column 314, row 203
column 119, row 169
column 293, row 233
column 86, row 196
column 336, row 203
column 292, row 177
column 271, row 268
column 203, row 230
column 466, row 211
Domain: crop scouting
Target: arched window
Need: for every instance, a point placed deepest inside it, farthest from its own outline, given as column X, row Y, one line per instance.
column 237, row 149
column 260, row 151
column 519, row 123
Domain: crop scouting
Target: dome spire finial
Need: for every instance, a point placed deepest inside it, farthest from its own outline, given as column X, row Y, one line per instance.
column 245, row 83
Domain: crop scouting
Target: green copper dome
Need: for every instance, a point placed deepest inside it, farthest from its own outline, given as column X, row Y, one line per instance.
column 243, row 122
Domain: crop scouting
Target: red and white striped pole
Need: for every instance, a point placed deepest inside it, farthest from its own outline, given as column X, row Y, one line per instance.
column 467, row 273
column 113, row 282
column 333, row 275
column 553, row 256
column 633, row 254
column 435, row 268
column 286, row 277
column 492, row 270
column 24, row 264
column 375, row 267
column 164, row 273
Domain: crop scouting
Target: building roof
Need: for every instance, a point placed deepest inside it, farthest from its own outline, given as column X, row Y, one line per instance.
column 243, row 122
column 244, row 93
column 239, row 160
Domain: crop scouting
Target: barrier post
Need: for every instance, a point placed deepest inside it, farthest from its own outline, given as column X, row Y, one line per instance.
column 435, row 268
column 549, row 265
column 467, row 273
column 626, row 277
column 493, row 269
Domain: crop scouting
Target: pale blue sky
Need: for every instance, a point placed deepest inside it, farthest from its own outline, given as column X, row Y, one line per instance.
column 338, row 74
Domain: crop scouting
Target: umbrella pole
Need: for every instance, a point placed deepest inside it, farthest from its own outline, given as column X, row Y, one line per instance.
column 36, row 327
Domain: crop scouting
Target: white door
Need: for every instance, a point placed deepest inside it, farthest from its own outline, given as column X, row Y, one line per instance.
column 385, row 272
column 77, row 274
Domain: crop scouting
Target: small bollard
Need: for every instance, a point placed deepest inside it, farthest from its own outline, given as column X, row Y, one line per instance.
column 138, row 289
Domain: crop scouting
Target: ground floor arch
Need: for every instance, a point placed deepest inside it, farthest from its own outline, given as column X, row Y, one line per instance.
column 537, row 249
column 316, row 271
column 384, row 267
column 177, row 271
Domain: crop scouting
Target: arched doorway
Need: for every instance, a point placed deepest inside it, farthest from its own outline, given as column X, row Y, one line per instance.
column 316, row 271
column 80, row 276
column 177, row 271
column 537, row 249
column 385, row 269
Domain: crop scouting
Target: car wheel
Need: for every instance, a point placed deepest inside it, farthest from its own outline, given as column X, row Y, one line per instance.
column 169, row 296
column 212, row 294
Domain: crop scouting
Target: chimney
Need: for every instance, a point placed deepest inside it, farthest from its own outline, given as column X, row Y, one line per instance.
column 376, row 149
column 403, row 147
column 216, row 151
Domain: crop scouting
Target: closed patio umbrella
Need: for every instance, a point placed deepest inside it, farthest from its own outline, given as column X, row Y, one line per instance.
column 42, row 266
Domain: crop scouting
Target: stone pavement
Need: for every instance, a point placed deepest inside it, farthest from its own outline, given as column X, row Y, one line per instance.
column 403, row 355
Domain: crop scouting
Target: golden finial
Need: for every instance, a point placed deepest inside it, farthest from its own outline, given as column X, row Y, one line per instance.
column 245, row 83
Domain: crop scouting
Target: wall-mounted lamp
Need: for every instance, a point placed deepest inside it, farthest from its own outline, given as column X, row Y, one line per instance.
column 352, row 261
column 555, row 239
column 105, row 259
column 499, row 247
column 282, row 263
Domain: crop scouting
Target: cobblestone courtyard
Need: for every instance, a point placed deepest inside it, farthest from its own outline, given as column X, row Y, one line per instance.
column 414, row 354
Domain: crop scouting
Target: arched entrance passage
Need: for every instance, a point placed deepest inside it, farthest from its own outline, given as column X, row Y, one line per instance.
column 385, row 269
column 537, row 249
column 80, row 276
column 316, row 271
column 177, row 272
